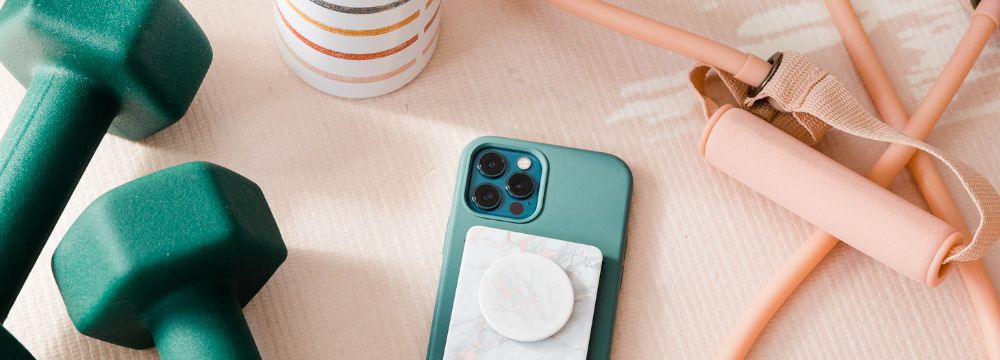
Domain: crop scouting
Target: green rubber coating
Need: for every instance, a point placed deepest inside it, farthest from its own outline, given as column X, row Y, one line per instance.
column 178, row 324
column 170, row 258
column 48, row 136
column 150, row 53
column 129, row 67
column 11, row 349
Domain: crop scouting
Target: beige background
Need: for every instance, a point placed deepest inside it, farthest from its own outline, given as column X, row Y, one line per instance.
column 361, row 189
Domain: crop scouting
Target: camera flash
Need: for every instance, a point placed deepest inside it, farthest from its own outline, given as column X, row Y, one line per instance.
column 524, row 163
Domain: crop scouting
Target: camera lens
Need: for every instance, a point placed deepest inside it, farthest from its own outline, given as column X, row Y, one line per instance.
column 492, row 164
column 486, row 197
column 520, row 185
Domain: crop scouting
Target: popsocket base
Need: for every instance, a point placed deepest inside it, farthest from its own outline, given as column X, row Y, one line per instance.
column 522, row 296
column 526, row 297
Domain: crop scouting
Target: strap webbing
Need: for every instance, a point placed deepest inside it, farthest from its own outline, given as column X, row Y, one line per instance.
column 805, row 102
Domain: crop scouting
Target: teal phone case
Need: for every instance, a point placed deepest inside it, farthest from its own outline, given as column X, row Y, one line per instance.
column 585, row 199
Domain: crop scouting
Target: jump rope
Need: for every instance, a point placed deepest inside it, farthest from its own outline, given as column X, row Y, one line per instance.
column 755, row 71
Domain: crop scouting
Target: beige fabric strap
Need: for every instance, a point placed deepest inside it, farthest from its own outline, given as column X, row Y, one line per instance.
column 805, row 101
column 802, row 126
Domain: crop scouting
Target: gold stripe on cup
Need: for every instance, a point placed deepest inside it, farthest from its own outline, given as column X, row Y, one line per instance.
column 337, row 49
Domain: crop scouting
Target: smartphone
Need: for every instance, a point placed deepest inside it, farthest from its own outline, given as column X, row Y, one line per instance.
column 546, row 191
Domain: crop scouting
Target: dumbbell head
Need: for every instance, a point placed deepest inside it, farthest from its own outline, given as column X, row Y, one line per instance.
column 11, row 349
column 161, row 234
column 150, row 54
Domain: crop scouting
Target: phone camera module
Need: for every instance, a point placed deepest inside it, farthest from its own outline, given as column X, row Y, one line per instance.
column 492, row 164
column 486, row 197
column 520, row 185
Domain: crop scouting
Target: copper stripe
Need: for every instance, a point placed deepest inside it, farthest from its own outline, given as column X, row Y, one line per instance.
column 431, row 43
column 347, row 79
column 348, row 32
column 433, row 17
column 342, row 55
column 427, row 5
column 359, row 10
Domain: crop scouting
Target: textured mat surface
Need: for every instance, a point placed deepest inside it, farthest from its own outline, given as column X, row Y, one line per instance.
column 361, row 188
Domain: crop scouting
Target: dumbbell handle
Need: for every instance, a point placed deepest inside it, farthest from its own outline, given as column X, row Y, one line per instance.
column 201, row 322
column 43, row 154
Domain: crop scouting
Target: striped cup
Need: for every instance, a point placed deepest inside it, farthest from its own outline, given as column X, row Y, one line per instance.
column 354, row 49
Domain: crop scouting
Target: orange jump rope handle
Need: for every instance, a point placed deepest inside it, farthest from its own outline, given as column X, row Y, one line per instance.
column 830, row 196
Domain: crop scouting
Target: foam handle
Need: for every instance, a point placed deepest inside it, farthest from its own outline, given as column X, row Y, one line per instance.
column 827, row 194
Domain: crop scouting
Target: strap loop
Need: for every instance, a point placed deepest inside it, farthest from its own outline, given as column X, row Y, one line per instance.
column 805, row 102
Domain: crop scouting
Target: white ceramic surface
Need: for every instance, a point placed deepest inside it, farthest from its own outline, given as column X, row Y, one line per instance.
column 357, row 51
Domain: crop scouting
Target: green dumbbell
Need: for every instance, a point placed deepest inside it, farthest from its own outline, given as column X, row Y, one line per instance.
column 128, row 67
column 11, row 349
column 170, row 259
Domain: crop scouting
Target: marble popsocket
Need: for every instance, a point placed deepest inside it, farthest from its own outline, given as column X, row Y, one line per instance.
column 523, row 296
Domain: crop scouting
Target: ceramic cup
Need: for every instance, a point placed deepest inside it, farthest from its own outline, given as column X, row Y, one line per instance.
column 357, row 48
